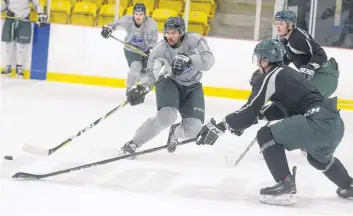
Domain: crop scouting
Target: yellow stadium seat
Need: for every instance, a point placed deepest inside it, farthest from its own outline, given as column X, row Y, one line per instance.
column 84, row 13
column 73, row 2
column 130, row 9
column 177, row 5
column 107, row 14
column 150, row 4
column 206, row 6
column 123, row 3
column 198, row 23
column 160, row 15
column 33, row 15
column 97, row 2
column 60, row 11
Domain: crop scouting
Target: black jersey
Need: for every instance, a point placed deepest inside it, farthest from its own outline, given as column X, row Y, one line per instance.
column 301, row 49
column 290, row 92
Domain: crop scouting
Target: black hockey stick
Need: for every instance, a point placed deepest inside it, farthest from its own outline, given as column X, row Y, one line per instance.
column 247, row 149
column 23, row 175
column 46, row 152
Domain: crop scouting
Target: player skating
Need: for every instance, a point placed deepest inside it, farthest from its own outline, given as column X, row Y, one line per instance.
column 142, row 33
column 312, row 122
column 185, row 56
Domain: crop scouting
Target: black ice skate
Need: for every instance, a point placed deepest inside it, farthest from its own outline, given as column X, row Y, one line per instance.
column 346, row 193
column 172, row 139
column 19, row 71
column 6, row 71
column 129, row 148
column 283, row 193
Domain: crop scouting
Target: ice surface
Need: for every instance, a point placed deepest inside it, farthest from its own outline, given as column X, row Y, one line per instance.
column 195, row 180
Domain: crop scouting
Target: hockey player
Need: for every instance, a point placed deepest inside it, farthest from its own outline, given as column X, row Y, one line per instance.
column 142, row 33
column 307, row 56
column 184, row 56
column 17, row 32
column 313, row 123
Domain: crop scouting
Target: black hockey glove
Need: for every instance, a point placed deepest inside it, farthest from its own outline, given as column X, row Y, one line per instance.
column 307, row 71
column 210, row 132
column 181, row 64
column 106, row 31
column 254, row 76
column 136, row 95
column 42, row 19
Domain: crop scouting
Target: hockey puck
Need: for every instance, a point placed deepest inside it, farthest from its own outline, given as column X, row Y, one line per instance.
column 7, row 157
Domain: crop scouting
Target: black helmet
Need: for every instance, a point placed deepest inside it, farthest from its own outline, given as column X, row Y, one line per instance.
column 287, row 16
column 176, row 23
column 271, row 50
column 140, row 7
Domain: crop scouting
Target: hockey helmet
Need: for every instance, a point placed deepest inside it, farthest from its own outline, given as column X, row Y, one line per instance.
column 287, row 16
column 270, row 49
column 139, row 7
column 176, row 23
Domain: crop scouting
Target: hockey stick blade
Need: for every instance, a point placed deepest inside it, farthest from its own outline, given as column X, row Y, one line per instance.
column 35, row 150
column 23, row 175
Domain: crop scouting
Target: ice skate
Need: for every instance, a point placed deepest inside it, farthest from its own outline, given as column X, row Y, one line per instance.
column 346, row 193
column 283, row 193
column 6, row 71
column 19, row 71
column 129, row 148
column 172, row 139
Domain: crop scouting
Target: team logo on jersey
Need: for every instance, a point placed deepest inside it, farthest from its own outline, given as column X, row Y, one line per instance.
column 137, row 40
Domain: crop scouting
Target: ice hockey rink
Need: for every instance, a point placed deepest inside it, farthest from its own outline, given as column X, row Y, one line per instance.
column 195, row 180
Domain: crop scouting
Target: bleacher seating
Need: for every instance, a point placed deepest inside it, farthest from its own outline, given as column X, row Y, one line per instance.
column 60, row 11
column 160, row 15
column 177, row 5
column 198, row 22
column 206, row 6
column 107, row 14
column 101, row 12
column 84, row 13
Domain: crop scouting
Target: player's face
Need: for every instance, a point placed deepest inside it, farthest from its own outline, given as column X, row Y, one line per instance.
column 282, row 27
column 139, row 16
column 173, row 37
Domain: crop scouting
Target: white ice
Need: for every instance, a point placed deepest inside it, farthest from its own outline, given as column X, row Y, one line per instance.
column 195, row 180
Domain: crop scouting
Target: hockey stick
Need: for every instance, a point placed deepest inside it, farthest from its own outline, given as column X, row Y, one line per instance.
column 130, row 46
column 247, row 149
column 16, row 18
column 46, row 152
column 23, row 175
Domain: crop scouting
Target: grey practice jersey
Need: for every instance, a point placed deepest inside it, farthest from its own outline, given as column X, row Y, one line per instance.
column 194, row 45
column 21, row 8
column 143, row 37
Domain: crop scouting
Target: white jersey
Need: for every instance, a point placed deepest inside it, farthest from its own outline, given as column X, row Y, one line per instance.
column 20, row 8
column 194, row 46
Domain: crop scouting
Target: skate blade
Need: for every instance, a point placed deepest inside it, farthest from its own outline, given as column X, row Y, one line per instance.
column 283, row 200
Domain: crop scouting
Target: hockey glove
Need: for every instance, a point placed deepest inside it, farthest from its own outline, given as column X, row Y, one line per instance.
column 210, row 132
column 136, row 95
column 106, row 31
column 148, row 50
column 42, row 19
column 181, row 64
column 307, row 71
column 254, row 76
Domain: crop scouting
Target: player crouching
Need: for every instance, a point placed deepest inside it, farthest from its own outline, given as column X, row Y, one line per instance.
column 312, row 123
